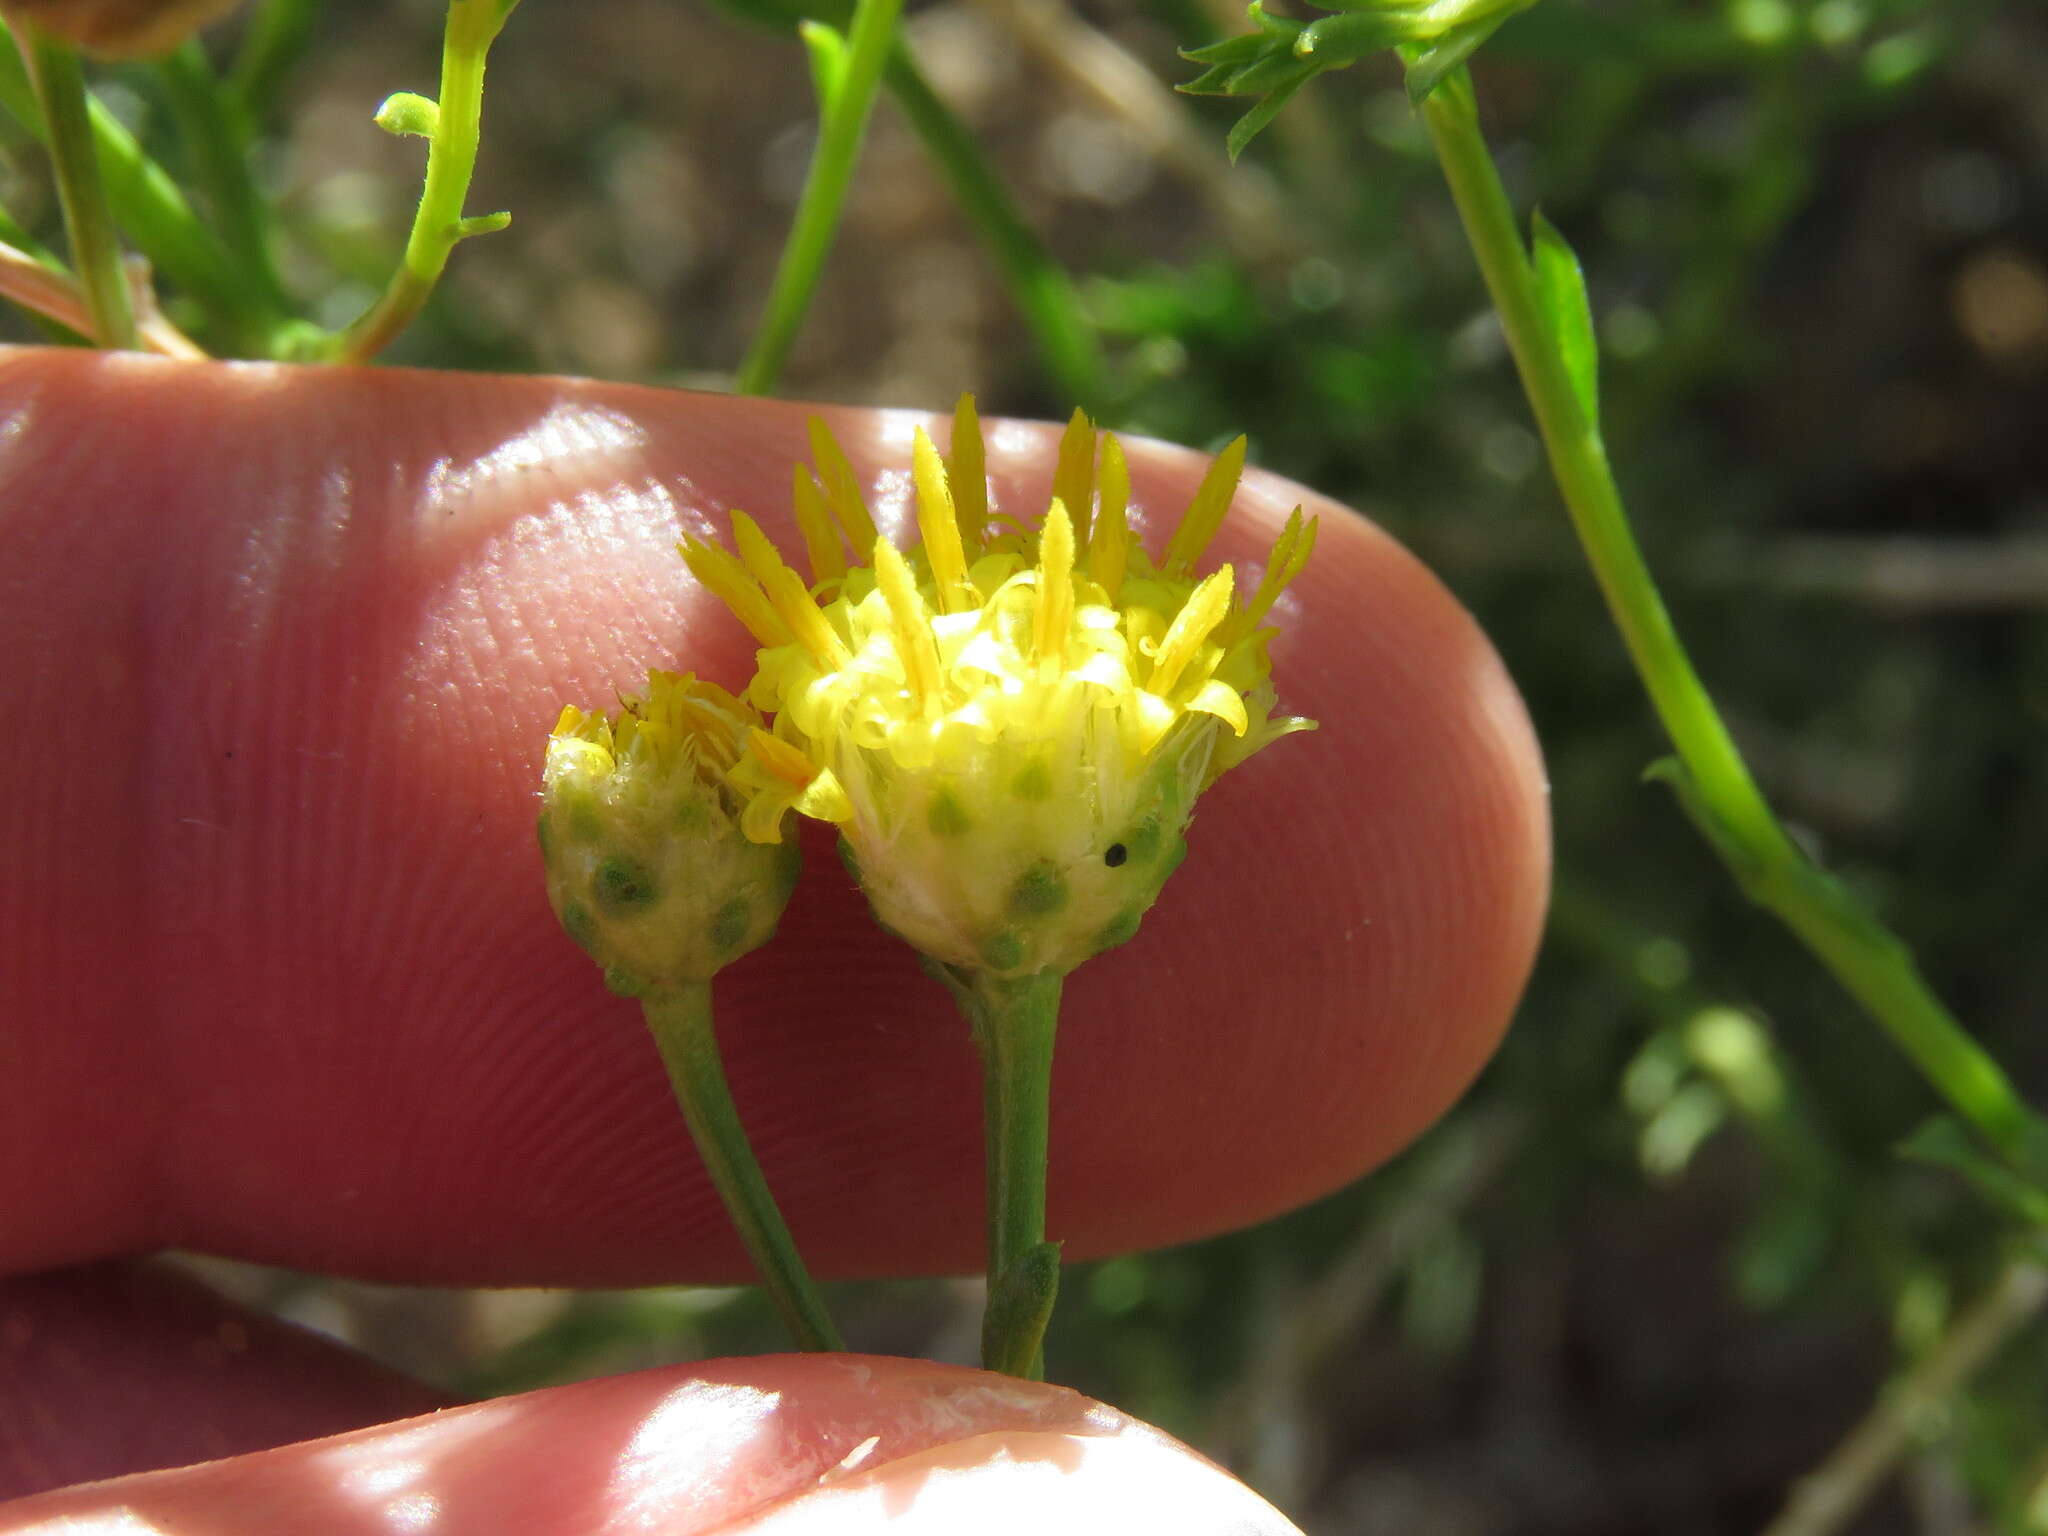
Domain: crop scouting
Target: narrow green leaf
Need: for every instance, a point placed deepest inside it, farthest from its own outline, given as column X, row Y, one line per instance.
column 1213, row 81
column 1246, row 128
column 1561, row 287
column 1240, row 49
column 1269, row 74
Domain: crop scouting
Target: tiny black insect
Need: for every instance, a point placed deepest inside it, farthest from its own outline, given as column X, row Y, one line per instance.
column 1115, row 854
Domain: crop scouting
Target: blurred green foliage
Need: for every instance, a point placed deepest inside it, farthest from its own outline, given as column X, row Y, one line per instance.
column 1666, row 1253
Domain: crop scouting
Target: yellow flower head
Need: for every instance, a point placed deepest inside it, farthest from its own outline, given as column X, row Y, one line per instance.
column 640, row 829
column 1010, row 723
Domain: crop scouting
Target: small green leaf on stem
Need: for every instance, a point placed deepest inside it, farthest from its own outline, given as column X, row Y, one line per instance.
column 406, row 112
column 1248, row 127
column 1020, row 1302
column 1282, row 55
column 1561, row 290
column 1742, row 859
column 827, row 50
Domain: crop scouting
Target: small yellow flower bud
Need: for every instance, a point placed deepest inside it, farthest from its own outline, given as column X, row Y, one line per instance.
column 647, row 866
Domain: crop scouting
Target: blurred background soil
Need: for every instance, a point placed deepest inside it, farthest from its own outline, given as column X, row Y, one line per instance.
column 1665, row 1256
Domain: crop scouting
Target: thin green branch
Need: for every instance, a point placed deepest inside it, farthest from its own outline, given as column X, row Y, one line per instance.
column 155, row 216
column 846, row 93
column 1826, row 1498
column 453, row 128
column 59, row 85
column 1039, row 285
column 216, row 135
column 273, row 38
column 1713, row 782
column 681, row 1024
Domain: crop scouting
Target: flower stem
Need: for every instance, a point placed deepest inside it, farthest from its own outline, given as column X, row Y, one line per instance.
column 59, row 84
column 439, row 225
column 1014, row 1023
column 1828, row 1497
column 1713, row 781
column 680, row 1022
column 845, row 95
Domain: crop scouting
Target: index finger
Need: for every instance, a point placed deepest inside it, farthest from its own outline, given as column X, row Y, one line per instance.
column 286, row 646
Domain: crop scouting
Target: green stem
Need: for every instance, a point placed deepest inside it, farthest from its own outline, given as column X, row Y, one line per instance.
column 216, row 135
column 1014, row 1023
column 438, row 226
column 154, row 214
column 680, row 1022
column 1828, row 1497
column 1039, row 286
column 95, row 250
column 844, row 102
column 273, row 39
column 1716, row 785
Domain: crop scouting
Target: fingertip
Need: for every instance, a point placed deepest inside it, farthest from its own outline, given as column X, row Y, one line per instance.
column 352, row 1035
column 774, row 1443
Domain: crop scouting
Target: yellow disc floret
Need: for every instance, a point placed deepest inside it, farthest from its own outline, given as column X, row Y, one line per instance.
column 645, row 835
column 1010, row 723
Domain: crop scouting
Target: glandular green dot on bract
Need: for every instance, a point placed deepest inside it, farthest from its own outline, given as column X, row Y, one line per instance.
column 1120, row 929
column 1142, row 840
column 1004, row 950
column 1174, row 855
column 624, row 884
column 622, row 983
column 1032, row 782
column 789, row 864
column 945, row 815
column 1038, row 892
column 578, row 923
